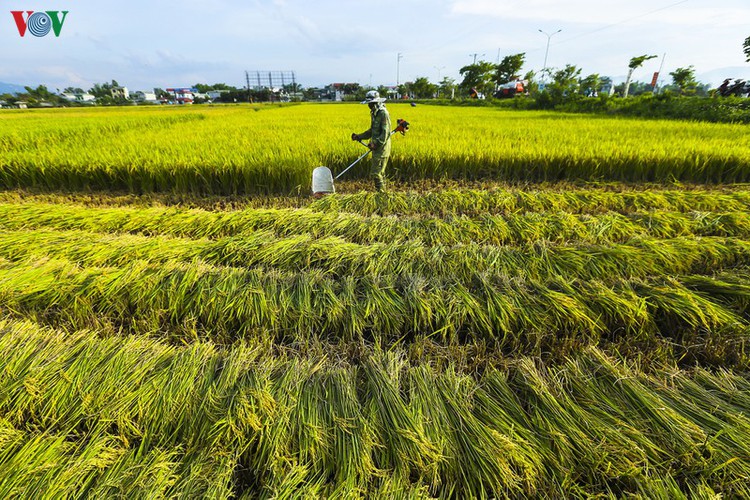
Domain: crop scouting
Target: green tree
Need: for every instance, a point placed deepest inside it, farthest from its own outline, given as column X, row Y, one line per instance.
column 311, row 93
column 684, row 79
column 240, row 95
column 447, row 87
column 746, row 48
column 564, row 87
column 292, row 88
column 9, row 98
column 636, row 88
column 103, row 90
column 383, row 90
column 635, row 63
column 260, row 95
column 591, row 84
column 509, row 68
column 479, row 76
column 352, row 88
column 40, row 94
column 103, row 93
column 532, row 86
column 73, row 90
column 404, row 89
column 203, row 88
column 161, row 93
column 358, row 93
column 421, row 88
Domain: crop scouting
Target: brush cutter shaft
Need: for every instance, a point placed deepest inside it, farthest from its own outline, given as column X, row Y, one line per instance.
column 353, row 163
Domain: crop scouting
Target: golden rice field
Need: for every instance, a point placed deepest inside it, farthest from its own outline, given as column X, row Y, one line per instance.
column 541, row 306
column 262, row 150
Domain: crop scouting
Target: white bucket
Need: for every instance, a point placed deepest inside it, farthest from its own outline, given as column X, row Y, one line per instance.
column 322, row 181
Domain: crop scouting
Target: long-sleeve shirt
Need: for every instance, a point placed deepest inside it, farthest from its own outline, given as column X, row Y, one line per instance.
column 379, row 132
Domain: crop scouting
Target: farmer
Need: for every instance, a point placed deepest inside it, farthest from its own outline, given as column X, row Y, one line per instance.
column 379, row 134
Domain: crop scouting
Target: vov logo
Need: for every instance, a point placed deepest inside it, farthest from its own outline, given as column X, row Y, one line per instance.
column 39, row 23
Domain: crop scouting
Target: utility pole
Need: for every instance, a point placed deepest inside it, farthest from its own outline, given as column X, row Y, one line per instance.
column 247, row 78
column 438, row 80
column 658, row 75
column 398, row 64
column 544, row 69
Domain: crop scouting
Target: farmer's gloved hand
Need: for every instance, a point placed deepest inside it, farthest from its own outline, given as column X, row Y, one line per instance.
column 372, row 146
column 355, row 137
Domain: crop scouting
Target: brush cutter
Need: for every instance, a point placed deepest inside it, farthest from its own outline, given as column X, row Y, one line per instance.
column 322, row 178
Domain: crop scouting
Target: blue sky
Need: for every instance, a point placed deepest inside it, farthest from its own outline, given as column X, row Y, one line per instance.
column 146, row 44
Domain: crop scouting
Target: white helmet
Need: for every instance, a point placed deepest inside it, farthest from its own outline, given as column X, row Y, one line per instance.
column 373, row 96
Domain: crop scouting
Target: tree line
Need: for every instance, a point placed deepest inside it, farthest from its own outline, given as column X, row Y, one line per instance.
column 551, row 87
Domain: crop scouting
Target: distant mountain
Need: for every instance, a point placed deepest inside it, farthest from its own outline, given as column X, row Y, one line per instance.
column 11, row 88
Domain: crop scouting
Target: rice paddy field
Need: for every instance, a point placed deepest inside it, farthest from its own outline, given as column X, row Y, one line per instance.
column 541, row 306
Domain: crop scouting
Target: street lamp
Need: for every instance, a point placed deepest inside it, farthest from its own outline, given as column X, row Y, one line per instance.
column 475, row 56
column 549, row 35
column 438, row 80
column 398, row 64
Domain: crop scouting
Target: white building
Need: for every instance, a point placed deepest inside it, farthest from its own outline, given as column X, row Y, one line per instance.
column 215, row 94
column 140, row 96
column 83, row 98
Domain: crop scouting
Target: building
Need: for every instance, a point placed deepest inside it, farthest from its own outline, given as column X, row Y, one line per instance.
column 120, row 93
column 338, row 91
column 182, row 95
column 199, row 97
column 146, row 97
column 84, row 98
column 392, row 92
